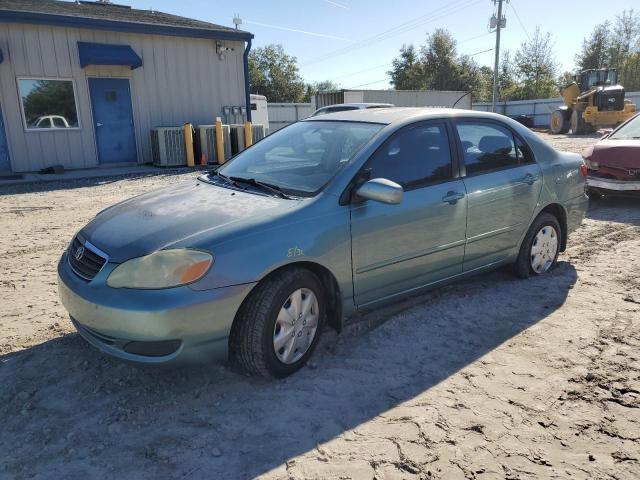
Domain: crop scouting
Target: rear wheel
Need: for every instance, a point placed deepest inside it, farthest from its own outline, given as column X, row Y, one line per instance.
column 559, row 121
column 279, row 324
column 540, row 247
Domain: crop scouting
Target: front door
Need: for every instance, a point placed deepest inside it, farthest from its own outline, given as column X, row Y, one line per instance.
column 113, row 120
column 503, row 183
column 397, row 248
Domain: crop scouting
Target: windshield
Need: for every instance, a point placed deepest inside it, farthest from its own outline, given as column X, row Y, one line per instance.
column 629, row 130
column 600, row 77
column 303, row 157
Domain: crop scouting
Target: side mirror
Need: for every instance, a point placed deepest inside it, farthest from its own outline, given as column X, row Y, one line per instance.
column 381, row 190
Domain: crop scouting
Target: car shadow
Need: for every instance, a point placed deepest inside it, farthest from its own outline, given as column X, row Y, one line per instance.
column 70, row 412
column 621, row 209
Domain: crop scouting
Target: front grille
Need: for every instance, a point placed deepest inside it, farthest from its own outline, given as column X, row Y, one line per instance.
column 84, row 260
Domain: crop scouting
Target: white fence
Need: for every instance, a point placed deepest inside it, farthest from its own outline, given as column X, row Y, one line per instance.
column 283, row 114
column 540, row 110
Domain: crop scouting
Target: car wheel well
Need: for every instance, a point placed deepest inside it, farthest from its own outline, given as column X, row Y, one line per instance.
column 558, row 211
column 334, row 296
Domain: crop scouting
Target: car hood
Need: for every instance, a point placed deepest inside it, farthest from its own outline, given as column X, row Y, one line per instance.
column 617, row 153
column 161, row 218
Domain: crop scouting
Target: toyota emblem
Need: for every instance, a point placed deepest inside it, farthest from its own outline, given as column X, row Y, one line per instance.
column 79, row 253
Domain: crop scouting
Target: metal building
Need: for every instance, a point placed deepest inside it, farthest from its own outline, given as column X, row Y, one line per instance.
column 83, row 83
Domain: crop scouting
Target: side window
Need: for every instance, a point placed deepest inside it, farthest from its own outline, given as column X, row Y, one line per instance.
column 414, row 156
column 486, row 147
column 524, row 154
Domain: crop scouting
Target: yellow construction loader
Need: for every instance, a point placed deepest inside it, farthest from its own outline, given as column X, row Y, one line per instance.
column 593, row 100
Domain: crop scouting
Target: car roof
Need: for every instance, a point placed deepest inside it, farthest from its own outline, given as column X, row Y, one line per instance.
column 387, row 116
column 357, row 105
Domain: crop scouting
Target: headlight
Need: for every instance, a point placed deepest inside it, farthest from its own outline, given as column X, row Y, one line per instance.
column 593, row 165
column 161, row 269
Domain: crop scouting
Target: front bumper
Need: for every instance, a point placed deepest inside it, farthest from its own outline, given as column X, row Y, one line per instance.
column 610, row 184
column 170, row 326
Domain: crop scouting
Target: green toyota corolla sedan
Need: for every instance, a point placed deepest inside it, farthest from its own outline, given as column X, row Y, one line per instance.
column 321, row 219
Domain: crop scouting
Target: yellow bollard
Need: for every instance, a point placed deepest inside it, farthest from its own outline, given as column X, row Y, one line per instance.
column 248, row 137
column 188, row 144
column 219, row 141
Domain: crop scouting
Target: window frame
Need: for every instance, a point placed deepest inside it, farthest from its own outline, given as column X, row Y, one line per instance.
column 24, row 116
column 363, row 175
column 490, row 122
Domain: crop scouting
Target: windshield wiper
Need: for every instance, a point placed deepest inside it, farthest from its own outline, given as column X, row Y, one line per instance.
column 274, row 189
column 230, row 181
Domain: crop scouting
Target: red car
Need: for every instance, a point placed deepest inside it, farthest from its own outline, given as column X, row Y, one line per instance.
column 614, row 162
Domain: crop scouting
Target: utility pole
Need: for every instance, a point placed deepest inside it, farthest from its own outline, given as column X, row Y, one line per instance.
column 496, row 63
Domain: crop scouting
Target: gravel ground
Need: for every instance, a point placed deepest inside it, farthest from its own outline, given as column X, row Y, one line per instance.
column 493, row 377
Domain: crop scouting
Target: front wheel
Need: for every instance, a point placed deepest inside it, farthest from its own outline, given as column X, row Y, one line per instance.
column 279, row 324
column 559, row 122
column 540, row 247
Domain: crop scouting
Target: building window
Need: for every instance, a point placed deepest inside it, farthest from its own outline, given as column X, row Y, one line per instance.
column 48, row 104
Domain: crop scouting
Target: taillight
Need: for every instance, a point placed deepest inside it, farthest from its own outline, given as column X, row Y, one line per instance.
column 583, row 169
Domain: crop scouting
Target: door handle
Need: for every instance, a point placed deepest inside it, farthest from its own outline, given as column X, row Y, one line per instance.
column 529, row 179
column 452, row 197
column 98, row 124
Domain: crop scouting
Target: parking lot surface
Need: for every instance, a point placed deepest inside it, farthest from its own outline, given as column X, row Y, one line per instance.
column 493, row 377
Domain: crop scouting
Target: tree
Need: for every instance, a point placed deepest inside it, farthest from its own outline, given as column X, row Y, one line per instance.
column 312, row 89
column 437, row 67
column 439, row 61
column 274, row 74
column 624, row 51
column 595, row 51
column 407, row 72
column 507, row 83
column 536, row 68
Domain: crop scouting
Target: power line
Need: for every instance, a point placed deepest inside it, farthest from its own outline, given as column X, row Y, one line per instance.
column 389, row 64
column 519, row 21
column 436, row 14
column 370, row 83
column 389, row 76
column 362, row 71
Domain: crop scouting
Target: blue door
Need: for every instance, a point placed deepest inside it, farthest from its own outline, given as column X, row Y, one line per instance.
column 113, row 120
column 5, row 162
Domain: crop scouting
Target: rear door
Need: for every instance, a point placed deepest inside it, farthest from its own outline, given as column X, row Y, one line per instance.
column 396, row 248
column 503, row 183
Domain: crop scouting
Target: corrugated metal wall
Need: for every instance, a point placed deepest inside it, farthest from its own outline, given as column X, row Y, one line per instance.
column 539, row 109
column 283, row 114
column 182, row 80
column 400, row 98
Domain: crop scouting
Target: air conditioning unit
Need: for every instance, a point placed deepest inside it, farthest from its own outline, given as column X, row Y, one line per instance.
column 237, row 138
column 167, row 147
column 205, row 143
column 258, row 132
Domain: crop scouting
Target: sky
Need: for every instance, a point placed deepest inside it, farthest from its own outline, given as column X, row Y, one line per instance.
column 352, row 42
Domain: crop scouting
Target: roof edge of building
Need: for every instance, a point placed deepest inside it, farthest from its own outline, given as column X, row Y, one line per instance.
column 38, row 18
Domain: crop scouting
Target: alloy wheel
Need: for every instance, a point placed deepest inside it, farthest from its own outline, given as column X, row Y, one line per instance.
column 296, row 326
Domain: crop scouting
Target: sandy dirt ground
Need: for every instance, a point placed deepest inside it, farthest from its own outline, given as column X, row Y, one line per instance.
column 490, row 378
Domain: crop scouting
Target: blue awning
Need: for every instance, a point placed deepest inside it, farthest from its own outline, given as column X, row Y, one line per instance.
column 105, row 54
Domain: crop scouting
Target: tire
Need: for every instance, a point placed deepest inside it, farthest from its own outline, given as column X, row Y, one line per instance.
column 559, row 121
column 524, row 266
column 261, row 319
column 578, row 125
